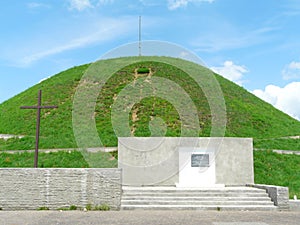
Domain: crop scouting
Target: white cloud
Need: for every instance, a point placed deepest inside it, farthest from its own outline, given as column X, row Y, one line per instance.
column 106, row 30
column 286, row 99
column 104, row 2
column 35, row 5
column 295, row 65
column 175, row 4
column 80, row 5
column 231, row 71
column 291, row 71
column 291, row 8
column 149, row 3
column 230, row 37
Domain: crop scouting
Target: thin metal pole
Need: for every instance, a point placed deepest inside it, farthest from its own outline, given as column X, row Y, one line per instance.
column 140, row 36
column 37, row 135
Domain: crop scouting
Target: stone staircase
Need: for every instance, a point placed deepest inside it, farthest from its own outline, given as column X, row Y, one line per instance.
column 223, row 198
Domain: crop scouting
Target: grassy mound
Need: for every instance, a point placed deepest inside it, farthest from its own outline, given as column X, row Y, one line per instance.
column 247, row 115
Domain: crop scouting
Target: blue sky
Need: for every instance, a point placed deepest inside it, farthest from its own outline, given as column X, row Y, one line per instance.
column 253, row 43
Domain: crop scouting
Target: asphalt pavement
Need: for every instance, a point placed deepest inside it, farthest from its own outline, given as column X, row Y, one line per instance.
column 148, row 218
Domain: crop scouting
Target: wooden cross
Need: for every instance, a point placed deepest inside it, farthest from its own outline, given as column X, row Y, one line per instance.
column 38, row 119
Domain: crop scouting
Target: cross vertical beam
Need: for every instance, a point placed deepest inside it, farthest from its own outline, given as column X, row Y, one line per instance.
column 38, row 122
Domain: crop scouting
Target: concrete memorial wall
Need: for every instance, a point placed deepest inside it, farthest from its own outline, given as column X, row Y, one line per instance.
column 185, row 161
column 31, row 189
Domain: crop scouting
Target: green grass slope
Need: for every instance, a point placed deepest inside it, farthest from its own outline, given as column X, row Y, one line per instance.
column 277, row 169
column 247, row 115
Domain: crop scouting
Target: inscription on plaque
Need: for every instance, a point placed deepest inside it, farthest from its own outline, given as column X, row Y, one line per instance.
column 200, row 160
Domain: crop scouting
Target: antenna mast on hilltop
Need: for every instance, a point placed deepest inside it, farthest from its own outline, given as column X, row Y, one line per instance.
column 140, row 35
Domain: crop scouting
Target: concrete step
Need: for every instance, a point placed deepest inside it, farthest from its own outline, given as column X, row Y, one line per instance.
column 221, row 198
column 191, row 192
column 183, row 202
column 179, row 190
column 199, row 194
column 173, row 188
column 196, row 198
column 196, row 201
column 200, row 207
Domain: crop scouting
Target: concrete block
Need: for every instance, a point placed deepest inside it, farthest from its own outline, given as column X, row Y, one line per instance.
column 30, row 189
column 155, row 160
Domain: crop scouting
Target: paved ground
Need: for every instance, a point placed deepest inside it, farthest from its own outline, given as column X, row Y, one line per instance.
column 148, row 218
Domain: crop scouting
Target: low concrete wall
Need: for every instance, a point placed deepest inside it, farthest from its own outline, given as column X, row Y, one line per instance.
column 29, row 189
column 278, row 194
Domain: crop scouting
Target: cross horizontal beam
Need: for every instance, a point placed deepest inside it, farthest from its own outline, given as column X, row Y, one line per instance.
column 38, row 107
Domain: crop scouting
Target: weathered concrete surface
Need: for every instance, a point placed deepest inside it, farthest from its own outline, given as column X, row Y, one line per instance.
column 91, row 150
column 154, row 161
column 278, row 194
column 22, row 189
column 9, row 136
